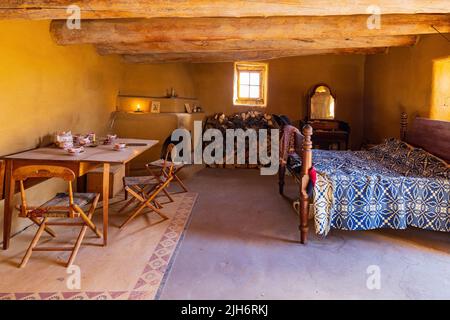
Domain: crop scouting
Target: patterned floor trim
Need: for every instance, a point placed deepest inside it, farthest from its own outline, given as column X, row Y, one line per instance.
column 172, row 259
column 152, row 275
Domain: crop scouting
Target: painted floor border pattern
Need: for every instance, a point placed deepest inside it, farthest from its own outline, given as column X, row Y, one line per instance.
column 174, row 255
column 152, row 275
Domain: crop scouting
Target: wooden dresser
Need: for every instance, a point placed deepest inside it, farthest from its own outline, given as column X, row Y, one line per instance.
column 329, row 134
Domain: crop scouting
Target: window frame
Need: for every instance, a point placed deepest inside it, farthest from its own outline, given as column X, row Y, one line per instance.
column 262, row 69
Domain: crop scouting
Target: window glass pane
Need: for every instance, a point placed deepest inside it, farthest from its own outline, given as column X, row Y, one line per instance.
column 254, row 92
column 254, row 78
column 244, row 77
column 244, row 91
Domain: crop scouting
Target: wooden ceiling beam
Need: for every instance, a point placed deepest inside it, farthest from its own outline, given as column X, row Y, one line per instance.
column 199, row 29
column 214, row 57
column 103, row 9
column 255, row 45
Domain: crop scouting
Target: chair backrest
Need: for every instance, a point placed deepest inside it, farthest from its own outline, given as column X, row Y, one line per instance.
column 44, row 171
column 167, row 168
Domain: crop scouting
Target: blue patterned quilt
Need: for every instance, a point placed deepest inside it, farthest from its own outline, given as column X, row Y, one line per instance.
column 392, row 185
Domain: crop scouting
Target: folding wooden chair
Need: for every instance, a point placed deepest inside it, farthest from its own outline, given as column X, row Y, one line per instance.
column 64, row 205
column 154, row 166
column 146, row 189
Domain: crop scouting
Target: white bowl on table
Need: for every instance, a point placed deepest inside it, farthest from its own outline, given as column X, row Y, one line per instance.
column 119, row 146
column 75, row 151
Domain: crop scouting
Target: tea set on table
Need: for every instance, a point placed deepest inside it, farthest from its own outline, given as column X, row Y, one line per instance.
column 75, row 144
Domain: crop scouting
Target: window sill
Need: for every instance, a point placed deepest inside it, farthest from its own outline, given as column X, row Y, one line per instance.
column 249, row 105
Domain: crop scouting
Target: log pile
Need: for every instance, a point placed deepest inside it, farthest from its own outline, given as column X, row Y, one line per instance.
column 255, row 120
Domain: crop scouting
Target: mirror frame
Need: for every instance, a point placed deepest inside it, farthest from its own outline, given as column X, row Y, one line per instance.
column 311, row 94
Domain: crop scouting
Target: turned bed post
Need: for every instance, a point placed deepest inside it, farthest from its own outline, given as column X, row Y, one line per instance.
column 403, row 125
column 306, row 165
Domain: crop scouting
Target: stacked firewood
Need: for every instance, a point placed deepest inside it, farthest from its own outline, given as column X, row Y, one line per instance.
column 244, row 120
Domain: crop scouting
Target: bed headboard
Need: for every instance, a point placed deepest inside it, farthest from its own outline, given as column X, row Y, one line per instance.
column 430, row 135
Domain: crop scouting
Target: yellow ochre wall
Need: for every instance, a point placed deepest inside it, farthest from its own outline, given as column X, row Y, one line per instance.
column 415, row 80
column 155, row 79
column 45, row 88
column 289, row 81
column 371, row 90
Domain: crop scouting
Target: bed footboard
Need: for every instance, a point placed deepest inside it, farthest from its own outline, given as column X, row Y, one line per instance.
column 304, row 199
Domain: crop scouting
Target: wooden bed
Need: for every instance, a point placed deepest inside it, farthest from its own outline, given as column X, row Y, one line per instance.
column 431, row 135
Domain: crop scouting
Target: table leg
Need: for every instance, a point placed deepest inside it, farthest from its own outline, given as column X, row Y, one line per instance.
column 127, row 169
column 8, row 208
column 105, row 202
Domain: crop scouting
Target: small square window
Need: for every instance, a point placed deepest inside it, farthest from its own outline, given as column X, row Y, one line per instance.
column 250, row 84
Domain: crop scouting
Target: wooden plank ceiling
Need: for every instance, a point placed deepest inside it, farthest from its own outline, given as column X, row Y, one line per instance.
column 158, row 31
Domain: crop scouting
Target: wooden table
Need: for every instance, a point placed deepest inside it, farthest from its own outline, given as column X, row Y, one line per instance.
column 80, row 164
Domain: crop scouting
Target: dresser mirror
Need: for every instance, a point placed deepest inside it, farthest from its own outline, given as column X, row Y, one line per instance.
column 321, row 103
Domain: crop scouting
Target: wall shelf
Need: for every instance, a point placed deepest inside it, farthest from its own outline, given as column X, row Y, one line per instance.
column 152, row 97
column 129, row 103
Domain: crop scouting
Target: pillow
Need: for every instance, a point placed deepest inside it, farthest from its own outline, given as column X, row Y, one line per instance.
column 392, row 149
column 423, row 163
column 436, row 167
column 409, row 160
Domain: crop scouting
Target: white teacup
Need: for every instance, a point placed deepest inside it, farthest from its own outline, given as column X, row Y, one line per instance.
column 119, row 146
column 65, row 145
column 110, row 138
column 84, row 141
column 75, row 151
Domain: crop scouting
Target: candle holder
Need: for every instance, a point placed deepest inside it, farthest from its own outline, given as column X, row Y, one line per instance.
column 138, row 109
